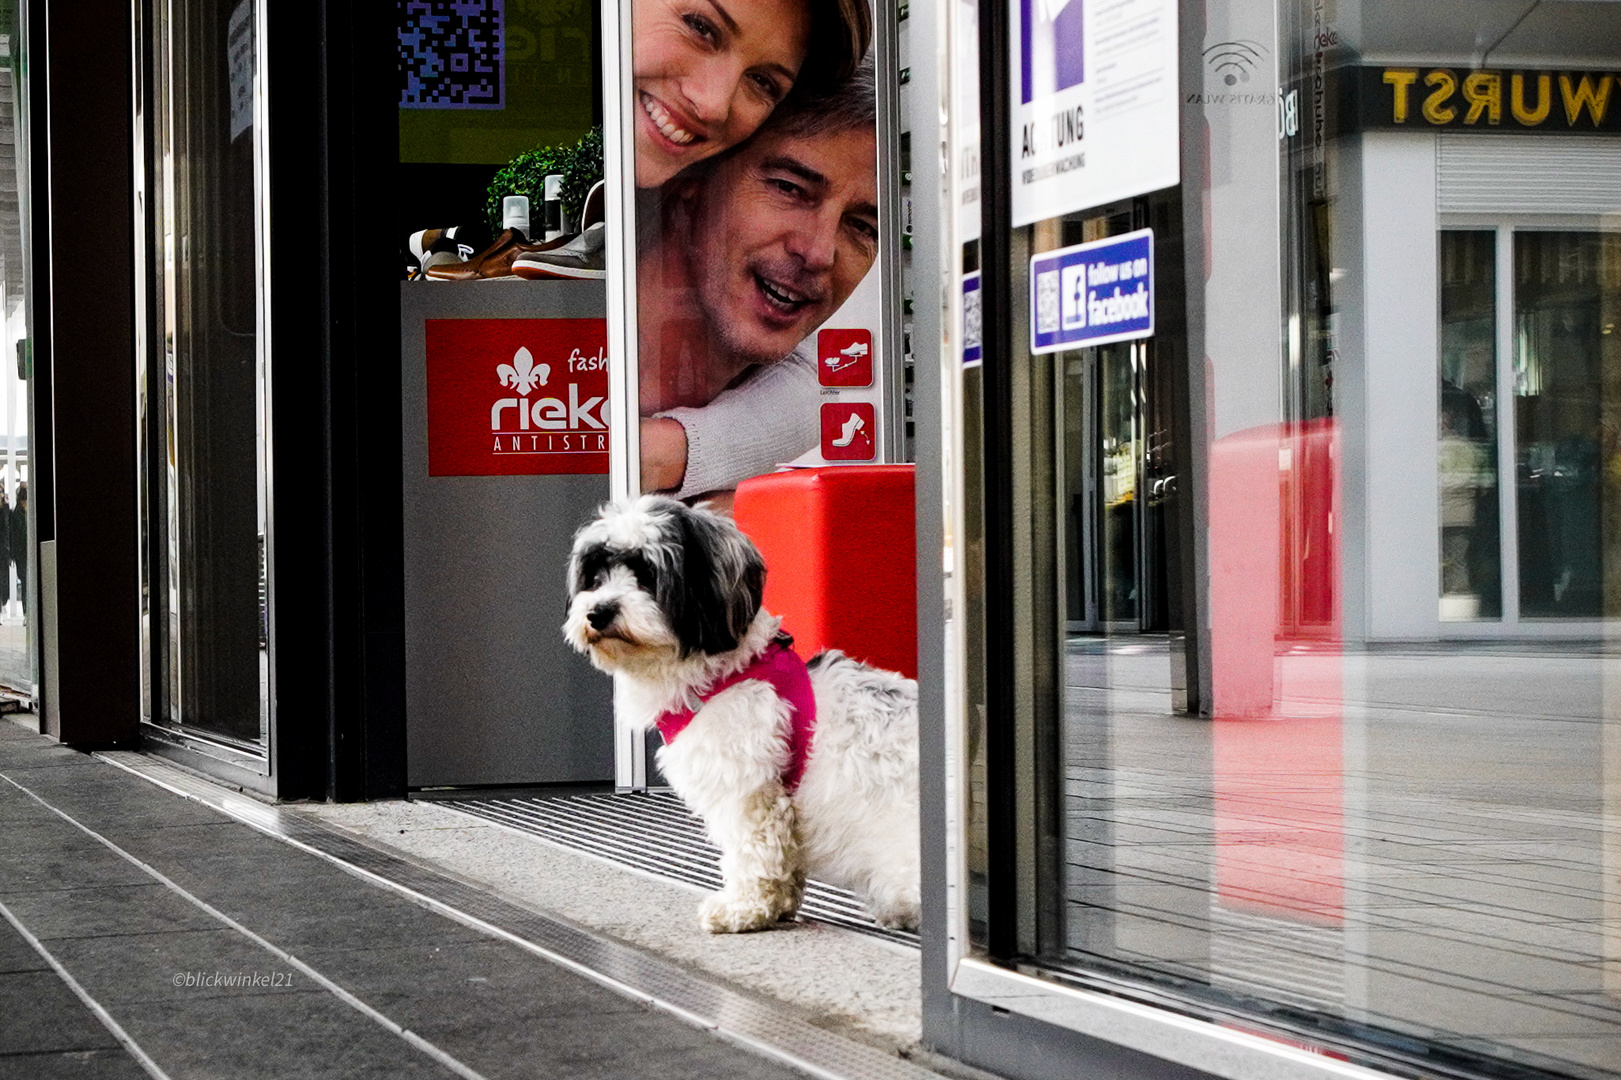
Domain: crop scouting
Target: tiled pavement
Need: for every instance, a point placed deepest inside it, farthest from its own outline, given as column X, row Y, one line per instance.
column 213, row 950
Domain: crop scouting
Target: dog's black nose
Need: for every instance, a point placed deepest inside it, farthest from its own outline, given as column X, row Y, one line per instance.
column 602, row 615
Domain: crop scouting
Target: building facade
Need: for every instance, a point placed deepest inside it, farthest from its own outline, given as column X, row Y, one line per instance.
column 1257, row 375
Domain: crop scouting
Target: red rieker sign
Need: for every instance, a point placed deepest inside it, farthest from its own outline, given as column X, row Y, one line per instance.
column 517, row 397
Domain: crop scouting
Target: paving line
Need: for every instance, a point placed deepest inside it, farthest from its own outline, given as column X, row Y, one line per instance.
column 725, row 1014
column 411, row 1037
column 113, row 1026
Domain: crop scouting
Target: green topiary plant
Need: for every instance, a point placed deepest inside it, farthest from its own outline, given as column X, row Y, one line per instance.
column 523, row 175
column 584, row 169
column 580, row 165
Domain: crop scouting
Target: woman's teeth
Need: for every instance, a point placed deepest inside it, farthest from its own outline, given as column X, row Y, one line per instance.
column 661, row 120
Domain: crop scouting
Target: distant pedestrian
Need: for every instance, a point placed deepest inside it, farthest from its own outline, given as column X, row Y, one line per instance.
column 17, row 541
column 5, row 551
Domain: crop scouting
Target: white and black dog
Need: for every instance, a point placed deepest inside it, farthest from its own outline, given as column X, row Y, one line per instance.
column 795, row 768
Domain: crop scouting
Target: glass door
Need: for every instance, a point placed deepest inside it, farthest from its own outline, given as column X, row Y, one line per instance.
column 202, row 376
column 1567, row 419
column 18, row 653
column 1115, row 579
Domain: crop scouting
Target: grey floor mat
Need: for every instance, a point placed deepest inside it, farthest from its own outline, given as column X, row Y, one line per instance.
column 654, row 833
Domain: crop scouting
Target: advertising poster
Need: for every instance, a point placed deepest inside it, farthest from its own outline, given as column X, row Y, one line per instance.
column 758, row 329
column 1095, row 112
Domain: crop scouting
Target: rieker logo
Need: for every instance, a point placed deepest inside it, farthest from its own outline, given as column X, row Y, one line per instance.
column 553, row 424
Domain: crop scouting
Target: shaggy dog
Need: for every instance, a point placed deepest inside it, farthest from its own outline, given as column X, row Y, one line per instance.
column 792, row 776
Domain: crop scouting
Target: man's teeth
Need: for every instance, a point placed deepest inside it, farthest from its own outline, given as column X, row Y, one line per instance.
column 661, row 120
column 780, row 295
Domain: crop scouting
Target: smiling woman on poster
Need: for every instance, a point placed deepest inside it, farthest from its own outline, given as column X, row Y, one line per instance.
column 707, row 73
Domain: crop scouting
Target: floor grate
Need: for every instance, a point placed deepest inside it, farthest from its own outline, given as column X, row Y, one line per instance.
column 654, row 833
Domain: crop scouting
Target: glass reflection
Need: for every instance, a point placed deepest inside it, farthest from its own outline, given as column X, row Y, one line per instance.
column 1398, row 822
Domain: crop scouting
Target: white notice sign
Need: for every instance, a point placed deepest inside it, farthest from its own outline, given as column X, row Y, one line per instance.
column 1094, row 86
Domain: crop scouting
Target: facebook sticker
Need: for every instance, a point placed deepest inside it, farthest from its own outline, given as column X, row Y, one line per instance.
column 1092, row 294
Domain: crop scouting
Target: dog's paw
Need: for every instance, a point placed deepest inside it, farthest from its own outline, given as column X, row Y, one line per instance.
column 897, row 912
column 896, row 920
column 723, row 914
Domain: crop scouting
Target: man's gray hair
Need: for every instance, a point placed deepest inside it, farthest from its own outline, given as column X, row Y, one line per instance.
column 852, row 105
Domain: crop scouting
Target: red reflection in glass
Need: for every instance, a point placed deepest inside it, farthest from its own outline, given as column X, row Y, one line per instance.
column 1276, row 679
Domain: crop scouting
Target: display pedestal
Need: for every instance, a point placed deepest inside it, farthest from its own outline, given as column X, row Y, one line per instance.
column 505, row 456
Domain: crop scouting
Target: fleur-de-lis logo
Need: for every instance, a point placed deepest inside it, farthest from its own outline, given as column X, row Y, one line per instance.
column 523, row 374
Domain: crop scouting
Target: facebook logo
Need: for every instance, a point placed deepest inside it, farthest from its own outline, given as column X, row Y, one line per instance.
column 1072, row 296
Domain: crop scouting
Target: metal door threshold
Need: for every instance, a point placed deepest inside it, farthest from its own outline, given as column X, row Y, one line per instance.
column 774, row 1031
column 652, row 832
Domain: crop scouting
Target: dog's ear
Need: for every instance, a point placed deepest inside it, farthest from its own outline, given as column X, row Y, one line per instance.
column 714, row 596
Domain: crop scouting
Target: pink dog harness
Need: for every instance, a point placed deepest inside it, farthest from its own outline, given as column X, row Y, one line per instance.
column 780, row 666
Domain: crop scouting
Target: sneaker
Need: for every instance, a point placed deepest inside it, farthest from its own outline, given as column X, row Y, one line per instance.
column 440, row 247
column 496, row 260
column 582, row 257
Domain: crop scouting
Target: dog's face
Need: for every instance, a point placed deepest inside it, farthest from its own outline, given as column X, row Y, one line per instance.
column 654, row 581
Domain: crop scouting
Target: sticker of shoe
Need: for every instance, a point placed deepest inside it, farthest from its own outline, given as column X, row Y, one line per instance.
column 847, row 434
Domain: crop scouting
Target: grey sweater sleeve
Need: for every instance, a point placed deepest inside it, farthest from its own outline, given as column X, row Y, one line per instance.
column 769, row 418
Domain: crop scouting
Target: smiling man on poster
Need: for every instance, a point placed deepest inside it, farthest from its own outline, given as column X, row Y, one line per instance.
column 754, row 254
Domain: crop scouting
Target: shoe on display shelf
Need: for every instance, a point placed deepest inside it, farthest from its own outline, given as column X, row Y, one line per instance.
column 595, row 208
column 440, row 247
column 496, row 260
column 582, row 257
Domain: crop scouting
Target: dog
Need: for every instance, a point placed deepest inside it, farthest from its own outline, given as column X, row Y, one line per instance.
column 794, row 768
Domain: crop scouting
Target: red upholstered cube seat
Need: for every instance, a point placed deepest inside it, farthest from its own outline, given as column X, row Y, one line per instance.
column 840, row 546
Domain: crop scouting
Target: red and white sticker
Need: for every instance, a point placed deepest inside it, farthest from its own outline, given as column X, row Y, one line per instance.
column 849, row 431
column 517, row 397
column 844, row 357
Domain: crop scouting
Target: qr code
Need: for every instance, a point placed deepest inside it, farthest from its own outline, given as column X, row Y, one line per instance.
column 1047, row 302
column 451, row 54
column 973, row 321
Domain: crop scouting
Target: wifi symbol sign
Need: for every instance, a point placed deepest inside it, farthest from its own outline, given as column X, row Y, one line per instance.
column 1234, row 60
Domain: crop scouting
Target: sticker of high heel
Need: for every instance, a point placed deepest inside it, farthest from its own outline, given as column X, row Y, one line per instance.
column 849, row 431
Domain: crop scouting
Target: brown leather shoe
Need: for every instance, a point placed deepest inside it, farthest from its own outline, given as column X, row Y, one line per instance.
column 494, row 261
